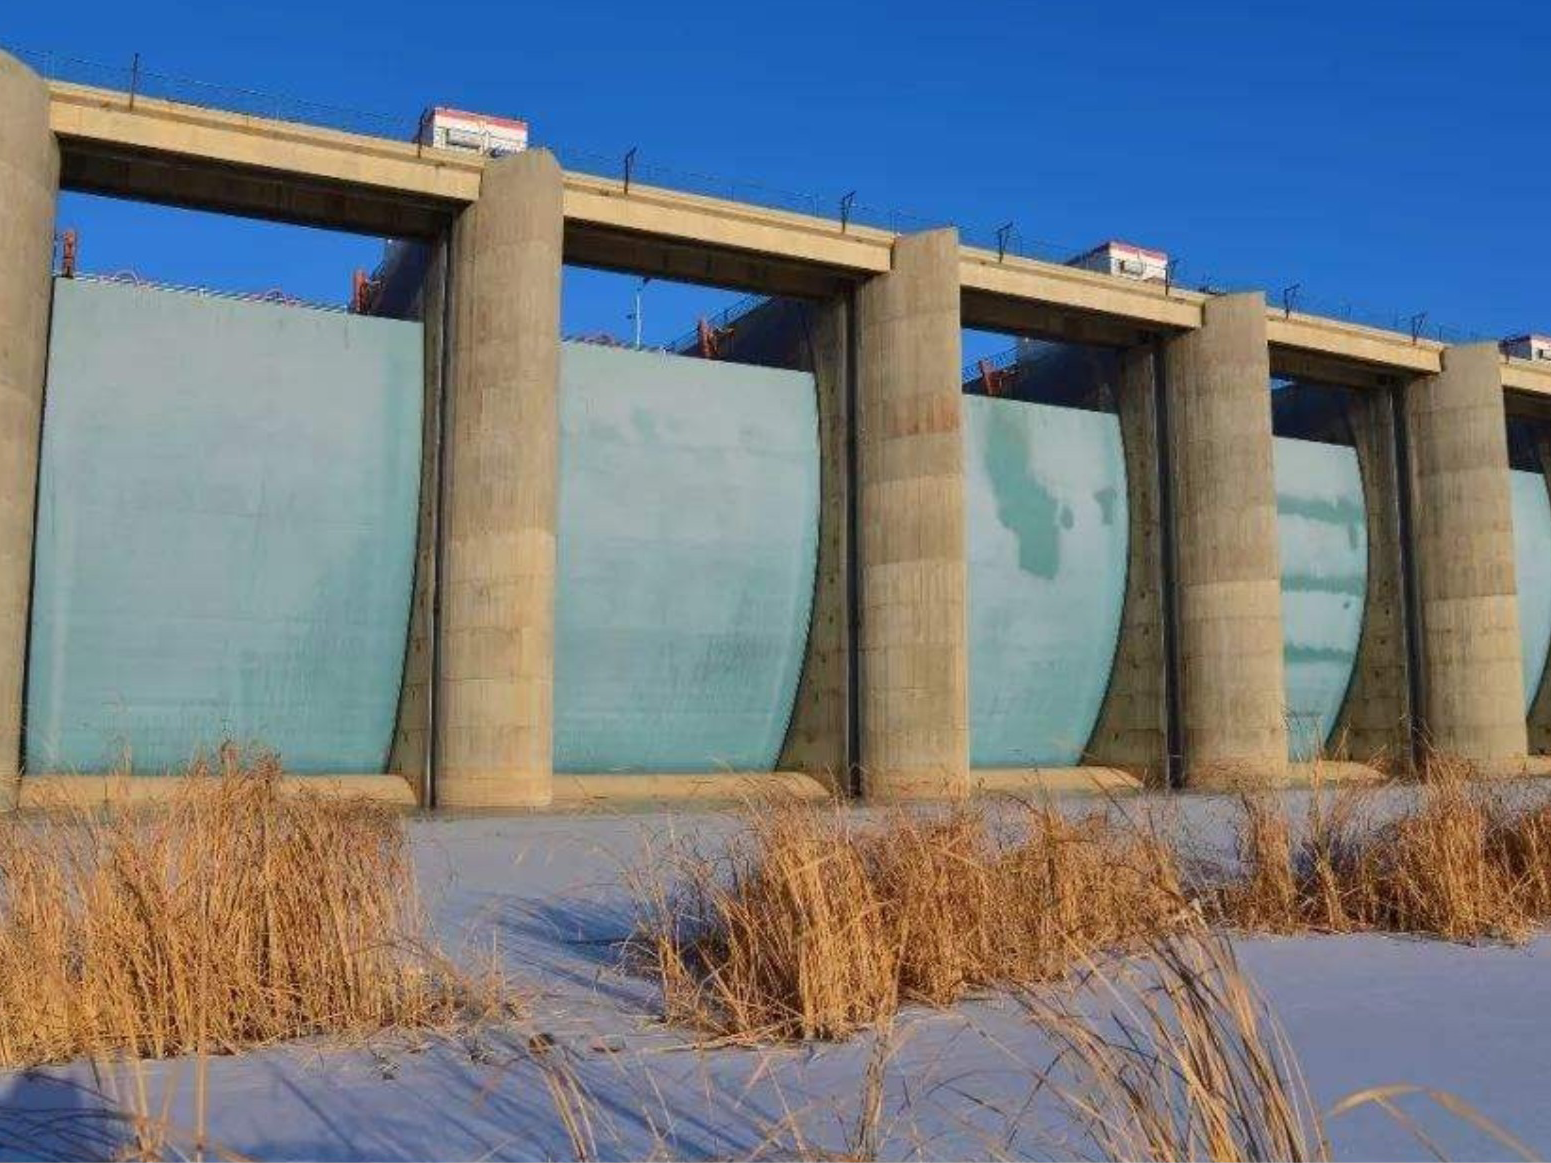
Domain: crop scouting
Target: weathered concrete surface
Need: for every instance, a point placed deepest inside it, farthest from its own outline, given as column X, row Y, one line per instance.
column 910, row 478
column 1221, row 464
column 29, row 180
column 816, row 737
column 411, row 736
column 75, row 792
column 1462, row 534
column 1375, row 721
column 1038, row 782
column 495, row 690
column 612, row 791
column 1539, row 718
column 1132, row 731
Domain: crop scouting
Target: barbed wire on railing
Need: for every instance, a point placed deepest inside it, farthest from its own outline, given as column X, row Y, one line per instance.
column 628, row 170
column 627, row 167
column 1292, row 300
column 604, row 339
column 1416, row 324
column 274, row 295
column 135, row 78
column 1007, row 240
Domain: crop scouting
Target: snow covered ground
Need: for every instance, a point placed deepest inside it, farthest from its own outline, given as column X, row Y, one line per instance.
column 549, row 894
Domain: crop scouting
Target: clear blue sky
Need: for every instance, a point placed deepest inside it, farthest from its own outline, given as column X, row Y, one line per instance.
column 1392, row 156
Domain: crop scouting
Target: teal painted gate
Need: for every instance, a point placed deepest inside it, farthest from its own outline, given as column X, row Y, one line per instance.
column 1322, row 530
column 226, row 528
column 688, row 531
column 1532, row 567
column 1046, row 530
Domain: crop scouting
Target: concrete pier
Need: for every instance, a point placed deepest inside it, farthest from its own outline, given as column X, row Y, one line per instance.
column 495, row 688
column 1462, row 540
column 29, row 181
column 914, row 699
column 1220, row 451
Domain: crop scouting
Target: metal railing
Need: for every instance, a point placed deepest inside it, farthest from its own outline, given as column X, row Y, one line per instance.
column 724, row 318
column 1001, row 361
column 1009, row 240
column 627, row 167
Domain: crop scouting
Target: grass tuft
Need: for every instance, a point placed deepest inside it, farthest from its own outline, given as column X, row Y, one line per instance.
column 232, row 916
column 810, row 924
column 1461, row 862
column 818, row 922
column 1174, row 1055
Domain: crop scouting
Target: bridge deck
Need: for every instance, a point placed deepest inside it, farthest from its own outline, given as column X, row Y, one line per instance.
column 163, row 151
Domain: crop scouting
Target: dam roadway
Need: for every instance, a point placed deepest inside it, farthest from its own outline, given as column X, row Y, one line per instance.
column 161, row 151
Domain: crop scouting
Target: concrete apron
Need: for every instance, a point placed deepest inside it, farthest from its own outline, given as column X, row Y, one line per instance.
column 618, row 791
column 638, row 791
column 77, row 792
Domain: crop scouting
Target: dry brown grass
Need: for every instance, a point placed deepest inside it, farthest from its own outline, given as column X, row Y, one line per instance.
column 232, row 916
column 1174, row 1055
column 1462, row 862
column 812, row 925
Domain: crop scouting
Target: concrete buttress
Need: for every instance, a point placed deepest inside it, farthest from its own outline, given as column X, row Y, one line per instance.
column 29, row 181
column 1132, row 728
column 816, row 738
column 1375, row 722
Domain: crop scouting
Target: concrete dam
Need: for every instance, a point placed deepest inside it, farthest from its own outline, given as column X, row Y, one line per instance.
column 1184, row 540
